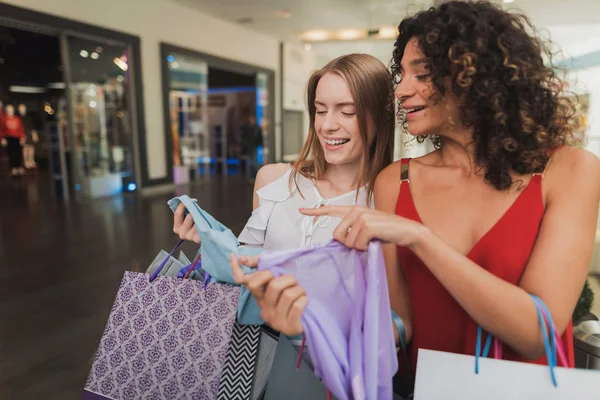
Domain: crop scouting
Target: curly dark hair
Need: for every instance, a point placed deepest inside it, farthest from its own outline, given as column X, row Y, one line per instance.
column 503, row 77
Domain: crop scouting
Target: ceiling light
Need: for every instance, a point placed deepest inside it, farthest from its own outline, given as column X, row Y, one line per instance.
column 308, row 47
column 388, row 32
column 121, row 63
column 26, row 89
column 349, row 34
column 99, row 49
column 120, row 78
column 93, row 104
column 285, row 14
column 316, row 35
column 94, row 56
column 57, row 85
column 84, row 53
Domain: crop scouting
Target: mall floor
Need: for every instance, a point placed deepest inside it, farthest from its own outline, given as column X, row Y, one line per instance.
column 60, row 267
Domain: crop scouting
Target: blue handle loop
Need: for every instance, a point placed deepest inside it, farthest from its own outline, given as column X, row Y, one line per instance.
column 402, row 336
column 548, row 337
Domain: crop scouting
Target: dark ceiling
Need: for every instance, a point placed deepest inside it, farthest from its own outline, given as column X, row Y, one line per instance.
column 220, row 79
column 28, row 59
column 33, row 59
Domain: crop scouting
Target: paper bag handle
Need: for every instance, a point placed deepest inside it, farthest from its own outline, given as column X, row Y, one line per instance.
column 162, row 265
column 552, row 341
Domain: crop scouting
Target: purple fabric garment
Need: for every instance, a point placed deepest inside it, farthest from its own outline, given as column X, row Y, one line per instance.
column 347, row 322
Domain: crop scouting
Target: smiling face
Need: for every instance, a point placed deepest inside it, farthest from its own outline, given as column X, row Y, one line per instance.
column 336, row 123
column 427, row 113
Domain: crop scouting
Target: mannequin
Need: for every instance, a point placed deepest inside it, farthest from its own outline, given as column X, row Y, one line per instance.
column 31, row 138
column 14, row 137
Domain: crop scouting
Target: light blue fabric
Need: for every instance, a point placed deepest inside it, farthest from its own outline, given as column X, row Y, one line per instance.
column 217, row 242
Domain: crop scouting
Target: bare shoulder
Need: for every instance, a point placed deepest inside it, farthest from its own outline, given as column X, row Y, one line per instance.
column 389, row 175
column 270, row 173
column 572, row 169
column 387, row 187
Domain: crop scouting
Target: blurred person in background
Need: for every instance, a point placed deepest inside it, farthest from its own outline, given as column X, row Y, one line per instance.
column 251, row 138
column 31, row 138
column 13, row 139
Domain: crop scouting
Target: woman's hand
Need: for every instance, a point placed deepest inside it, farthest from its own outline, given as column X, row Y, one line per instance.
column 360, row 225
column 184, row 226
column 281, row 300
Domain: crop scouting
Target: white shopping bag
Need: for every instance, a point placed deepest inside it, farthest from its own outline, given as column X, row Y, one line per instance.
column 442, row 375
column 448, row 376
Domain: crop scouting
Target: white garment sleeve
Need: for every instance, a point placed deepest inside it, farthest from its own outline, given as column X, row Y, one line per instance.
column 254, row 233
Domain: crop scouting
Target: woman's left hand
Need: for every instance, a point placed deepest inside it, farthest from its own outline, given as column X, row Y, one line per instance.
column 360, row 225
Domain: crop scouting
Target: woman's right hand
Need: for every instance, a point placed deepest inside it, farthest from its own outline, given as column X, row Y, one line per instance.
column 183, row 225
column 281, row 300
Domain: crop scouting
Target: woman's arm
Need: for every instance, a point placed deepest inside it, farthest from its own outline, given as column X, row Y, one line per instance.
column 555, row 272
column 386, row 190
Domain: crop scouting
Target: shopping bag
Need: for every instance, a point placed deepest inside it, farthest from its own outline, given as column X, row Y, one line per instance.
column 165, row 339
column 442, row 375
column 217, row 243
column 292, row 378
column 291, row 383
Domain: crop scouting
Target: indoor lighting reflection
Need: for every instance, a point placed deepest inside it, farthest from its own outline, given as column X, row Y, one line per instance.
column 121, row 63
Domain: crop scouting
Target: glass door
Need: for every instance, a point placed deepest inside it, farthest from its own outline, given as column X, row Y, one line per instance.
column 188, row 116
column 99, row 101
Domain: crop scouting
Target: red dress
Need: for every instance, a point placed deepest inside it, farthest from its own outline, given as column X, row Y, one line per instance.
column 439, row 322
column 13, row 127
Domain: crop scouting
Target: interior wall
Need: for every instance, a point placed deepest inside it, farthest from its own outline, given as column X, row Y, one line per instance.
column 156, row 21
column 586, row 82
column 298, row 65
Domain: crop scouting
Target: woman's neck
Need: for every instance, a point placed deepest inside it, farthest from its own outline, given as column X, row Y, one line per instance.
column 340, row 179
column 458, row 151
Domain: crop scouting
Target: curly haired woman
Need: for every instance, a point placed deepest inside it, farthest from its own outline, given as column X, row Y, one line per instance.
column 506, row 205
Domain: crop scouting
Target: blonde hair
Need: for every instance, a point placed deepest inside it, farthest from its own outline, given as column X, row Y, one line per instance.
column 372, row 89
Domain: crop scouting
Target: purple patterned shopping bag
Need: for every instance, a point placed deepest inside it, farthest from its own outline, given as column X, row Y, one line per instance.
column 165, row 339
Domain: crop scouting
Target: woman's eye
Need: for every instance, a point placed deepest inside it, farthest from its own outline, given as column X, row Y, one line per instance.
column 348, row 114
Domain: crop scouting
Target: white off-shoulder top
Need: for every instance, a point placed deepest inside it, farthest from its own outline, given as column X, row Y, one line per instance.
column 278, row 225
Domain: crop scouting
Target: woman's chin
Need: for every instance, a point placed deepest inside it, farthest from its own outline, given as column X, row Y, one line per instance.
column 339, row 159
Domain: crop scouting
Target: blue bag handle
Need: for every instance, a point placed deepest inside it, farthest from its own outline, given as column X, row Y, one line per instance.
column 548, row 337
column 402, row 336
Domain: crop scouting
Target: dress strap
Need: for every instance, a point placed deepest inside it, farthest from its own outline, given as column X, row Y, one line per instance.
column 404, row 163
